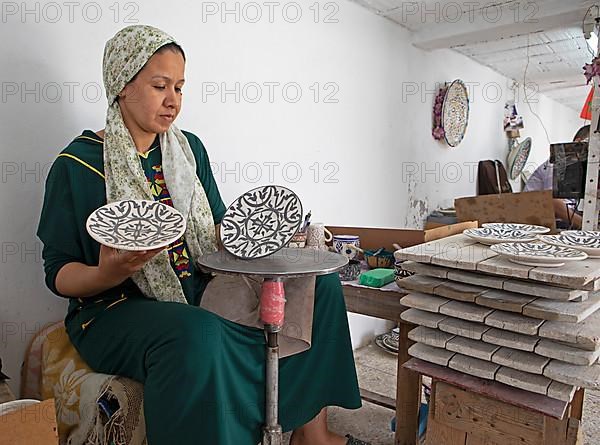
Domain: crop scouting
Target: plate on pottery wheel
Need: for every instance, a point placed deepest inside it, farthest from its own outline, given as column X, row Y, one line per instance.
column 136, row 225
column 515, row 226
column 489, row 236
column 261, row 221
column 580, row 240
column 538, row 254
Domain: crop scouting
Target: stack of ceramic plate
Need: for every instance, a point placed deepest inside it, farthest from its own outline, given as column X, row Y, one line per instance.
column 516, row 226
column 584, row 241
column 538, row 254
column 494, row 235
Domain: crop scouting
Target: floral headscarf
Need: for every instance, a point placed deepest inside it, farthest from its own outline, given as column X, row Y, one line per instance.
column 124, row 56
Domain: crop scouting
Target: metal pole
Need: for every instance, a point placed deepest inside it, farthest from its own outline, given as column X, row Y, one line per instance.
column 591, row 204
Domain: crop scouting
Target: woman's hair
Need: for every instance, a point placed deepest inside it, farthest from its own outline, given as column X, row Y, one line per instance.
column 174, row 47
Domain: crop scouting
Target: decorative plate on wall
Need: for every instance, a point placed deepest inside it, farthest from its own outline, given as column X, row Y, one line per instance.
column 516, row 226
column 135, row 225
column 517, row 158
column 455, row 113
column 490, row 236
column 261, row 221
column 538, row 254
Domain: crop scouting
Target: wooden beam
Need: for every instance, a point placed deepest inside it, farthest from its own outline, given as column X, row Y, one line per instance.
column 503, row 22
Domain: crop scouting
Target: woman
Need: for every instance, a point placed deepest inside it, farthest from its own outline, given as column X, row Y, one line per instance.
column 136, row 314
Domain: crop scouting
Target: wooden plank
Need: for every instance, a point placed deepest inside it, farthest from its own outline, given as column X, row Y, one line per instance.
column 543, row 290
column 33, row 424
column 510, row 321
column 448, row 230
column 438, row 434
column 561, row 391
column 520, row 360
column 377, row 399
column 430, row 354
column 408, row 393
column 500, row 265
column 504, row 300
column 430, row 337
column 458, row 291
column 473, row 366
column 423, row 253
column 425, row 269
column 574, row 274
column 569, row 354
column 555, row 431
column 374, row 302
column 472, row 348
column 420, row 283
column 418, row 317
column 510, row 339
column 577, row 404
column 582, row 376
column 478, row 279
column 536, row 403
column 463, row 256
column 570, row 311
column 480, row 439
column 499, row 421
column 465, row 311
column 584, row 335
column 574, row 432
column 424, row 302
column 523, row 380
column 464, row 328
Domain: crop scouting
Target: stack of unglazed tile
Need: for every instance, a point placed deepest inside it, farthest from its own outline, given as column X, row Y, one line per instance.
column 502, row 325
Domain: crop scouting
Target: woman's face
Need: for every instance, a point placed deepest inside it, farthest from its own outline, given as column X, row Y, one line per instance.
column 151, row 102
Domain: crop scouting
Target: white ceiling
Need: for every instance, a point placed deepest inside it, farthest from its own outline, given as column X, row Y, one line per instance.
column 543, row 37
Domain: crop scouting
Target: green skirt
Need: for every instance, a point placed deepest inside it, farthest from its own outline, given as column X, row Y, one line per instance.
column 204, row 376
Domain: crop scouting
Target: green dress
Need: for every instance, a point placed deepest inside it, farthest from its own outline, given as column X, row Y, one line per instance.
column 203, row 376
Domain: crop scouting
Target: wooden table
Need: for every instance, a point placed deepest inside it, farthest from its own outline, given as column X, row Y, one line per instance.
column 386, row 305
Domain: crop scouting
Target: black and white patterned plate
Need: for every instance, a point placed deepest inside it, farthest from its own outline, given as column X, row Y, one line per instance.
column 538, row 254
column 489, row 236
column 516, row 226
column 136, row 225
column 585, row 242
column 261, row 221
column 586, row 233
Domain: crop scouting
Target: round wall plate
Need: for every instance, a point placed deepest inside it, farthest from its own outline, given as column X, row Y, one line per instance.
column 261, row 221
column 455, row 113
column 136, row 225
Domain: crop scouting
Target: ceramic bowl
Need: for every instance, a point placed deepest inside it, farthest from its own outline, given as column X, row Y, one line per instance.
column 351, row 271
column 379, row 259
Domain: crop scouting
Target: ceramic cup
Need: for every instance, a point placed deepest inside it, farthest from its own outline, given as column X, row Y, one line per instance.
column 317, row 235
column 298, row 241
column 343, row 243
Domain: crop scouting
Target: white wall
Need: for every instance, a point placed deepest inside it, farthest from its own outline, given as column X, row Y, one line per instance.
column 359, row 145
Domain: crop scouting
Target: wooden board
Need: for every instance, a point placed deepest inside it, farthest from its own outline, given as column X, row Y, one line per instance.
column 463, row 257
column 584, row 335
column 520, row 360
column 467, row 329
column 420, row 283
column 500, row 265
column 423, row 253
column 510, row 321
column 523, row 380
column 526, row 208
column 544, row 291
column 425, row 302
column 583, row 376
column 472, row 348
column 425, row 269
column 458, row 291
column 473, row 366
column 478, row 279
column 419, row 317
column 572, row 312
column 536, row 403
column 504, row 300
column 574, row 274
column 509, row 339
column 465, row 311
column 430, row 337
column 431, row 354
column 569, row 354
column 33, row 424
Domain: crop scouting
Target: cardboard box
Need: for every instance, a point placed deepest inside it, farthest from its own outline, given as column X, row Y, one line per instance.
column 31, row 425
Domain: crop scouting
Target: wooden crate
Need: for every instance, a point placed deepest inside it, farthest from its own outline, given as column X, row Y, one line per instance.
column 461, row 417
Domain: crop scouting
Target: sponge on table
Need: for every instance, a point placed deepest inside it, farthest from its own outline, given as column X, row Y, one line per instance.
column 376, row 277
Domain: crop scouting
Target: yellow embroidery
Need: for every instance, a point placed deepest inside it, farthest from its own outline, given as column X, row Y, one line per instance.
column 67, row 155
column 145, row 155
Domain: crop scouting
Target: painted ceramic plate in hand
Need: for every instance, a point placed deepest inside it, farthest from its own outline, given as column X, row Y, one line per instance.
column 491, row 236
column 136, row 225
column 515, row 226
column 455, row 113
column 586, row 233
column 585, row 242
column 538, row 254
column 517, row 158
column 261, row 221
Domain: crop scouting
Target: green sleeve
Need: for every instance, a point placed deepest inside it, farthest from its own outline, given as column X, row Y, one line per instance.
column 206, row 177
column 58, row 226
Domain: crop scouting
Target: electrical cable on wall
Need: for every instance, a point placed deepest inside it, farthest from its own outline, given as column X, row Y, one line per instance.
column 525, row 94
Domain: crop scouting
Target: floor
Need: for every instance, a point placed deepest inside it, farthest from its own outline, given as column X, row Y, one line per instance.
column 377, row 372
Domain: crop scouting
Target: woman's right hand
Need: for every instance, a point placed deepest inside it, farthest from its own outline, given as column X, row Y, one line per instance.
column 115, row 266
